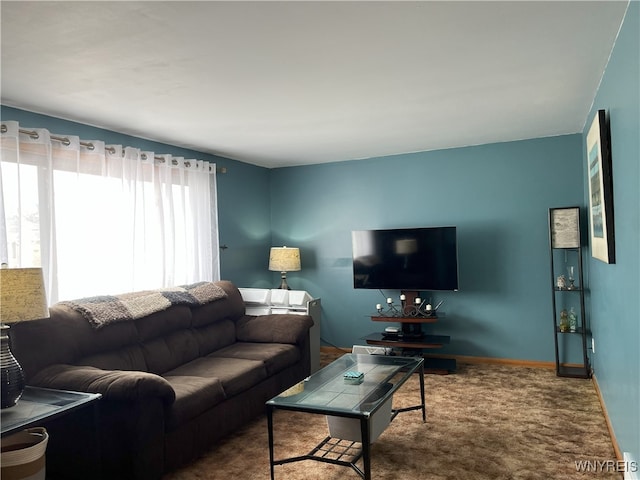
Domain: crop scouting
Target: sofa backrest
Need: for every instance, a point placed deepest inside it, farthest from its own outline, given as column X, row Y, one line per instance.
column 156, row 343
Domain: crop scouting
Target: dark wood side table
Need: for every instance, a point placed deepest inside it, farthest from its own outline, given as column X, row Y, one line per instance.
column 40, row 406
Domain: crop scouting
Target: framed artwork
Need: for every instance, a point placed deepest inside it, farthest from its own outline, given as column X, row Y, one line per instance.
column 600, row 189
column 564, row 227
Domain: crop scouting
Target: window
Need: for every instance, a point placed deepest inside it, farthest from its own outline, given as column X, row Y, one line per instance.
column 105, row 219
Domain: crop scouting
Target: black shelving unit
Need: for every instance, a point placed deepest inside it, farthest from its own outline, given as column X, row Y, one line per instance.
column 568, row 293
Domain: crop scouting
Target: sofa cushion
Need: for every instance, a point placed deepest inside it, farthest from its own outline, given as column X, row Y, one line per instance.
column 168, row 352
column 164, row 322
column 275, row 356
column 128, row 358
column 275, row 328
column 235, row 374
column 194, row 396
column 229, row 308
column 64, row 338
column 215, row 336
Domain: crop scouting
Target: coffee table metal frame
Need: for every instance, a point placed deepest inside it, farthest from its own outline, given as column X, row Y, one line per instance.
column 382, row 374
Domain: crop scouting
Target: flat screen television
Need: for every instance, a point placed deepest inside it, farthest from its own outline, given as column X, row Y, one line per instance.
column 412, row 259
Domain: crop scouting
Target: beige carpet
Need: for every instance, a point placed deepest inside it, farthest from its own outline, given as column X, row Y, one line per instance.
column 490, row 422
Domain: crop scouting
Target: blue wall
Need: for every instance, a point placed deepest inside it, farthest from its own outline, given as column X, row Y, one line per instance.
column 244, row 212
column 615, row 289
column 497, row 195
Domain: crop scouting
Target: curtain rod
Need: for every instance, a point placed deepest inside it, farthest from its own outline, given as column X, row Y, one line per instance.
column 66, row 142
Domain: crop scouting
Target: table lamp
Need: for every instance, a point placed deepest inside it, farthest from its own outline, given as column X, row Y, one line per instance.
column 22, row 297
column 283, row 260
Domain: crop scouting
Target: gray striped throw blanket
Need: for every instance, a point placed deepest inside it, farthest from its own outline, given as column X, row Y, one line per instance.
column 106, row 309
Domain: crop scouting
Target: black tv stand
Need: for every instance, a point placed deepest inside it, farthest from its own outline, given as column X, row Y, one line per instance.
column 412, row 330
column 402, row 336
column 412, row 340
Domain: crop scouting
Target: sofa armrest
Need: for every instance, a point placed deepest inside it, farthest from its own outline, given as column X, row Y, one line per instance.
column 112, row 384
column 274, row 328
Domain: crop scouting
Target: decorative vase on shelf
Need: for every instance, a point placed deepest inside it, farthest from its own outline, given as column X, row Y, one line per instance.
column 573, row 320
column 564, row 321
column 561, row 282
column 571, row 279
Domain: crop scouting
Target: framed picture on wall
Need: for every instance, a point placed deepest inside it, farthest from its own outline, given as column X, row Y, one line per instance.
column 600, row 189
column 564, row 226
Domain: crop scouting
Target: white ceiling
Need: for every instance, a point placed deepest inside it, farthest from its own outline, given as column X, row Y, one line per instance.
column 294, row 83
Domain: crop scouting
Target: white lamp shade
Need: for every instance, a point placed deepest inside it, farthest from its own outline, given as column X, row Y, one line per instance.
column 22, row 295
column 284, row 259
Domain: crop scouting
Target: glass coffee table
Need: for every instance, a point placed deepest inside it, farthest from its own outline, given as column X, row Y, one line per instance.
column 356, row 410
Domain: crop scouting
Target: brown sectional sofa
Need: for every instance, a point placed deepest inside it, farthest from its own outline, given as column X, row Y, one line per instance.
column 172, row 382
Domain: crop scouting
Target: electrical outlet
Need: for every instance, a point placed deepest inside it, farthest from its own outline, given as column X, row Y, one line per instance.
column 593, row 345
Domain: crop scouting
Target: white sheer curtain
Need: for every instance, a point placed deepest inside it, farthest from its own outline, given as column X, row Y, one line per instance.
column 104, row 219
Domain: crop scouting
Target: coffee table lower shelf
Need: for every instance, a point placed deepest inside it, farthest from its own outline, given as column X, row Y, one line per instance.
column 336, row 451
